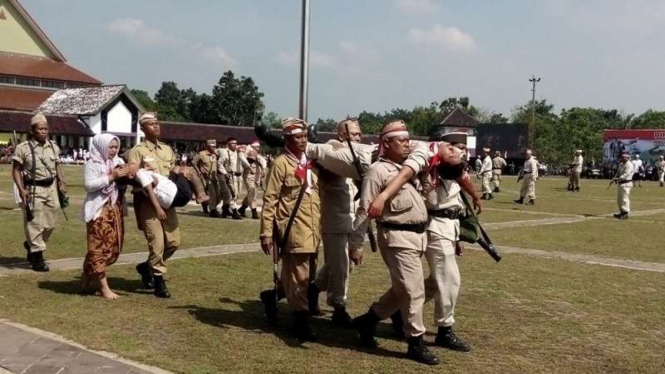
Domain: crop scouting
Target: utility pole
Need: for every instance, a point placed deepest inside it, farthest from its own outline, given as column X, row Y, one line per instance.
column 533, row 80
column 304, row 62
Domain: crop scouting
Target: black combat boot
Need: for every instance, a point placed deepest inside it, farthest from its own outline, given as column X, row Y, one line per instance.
column 269, row 301
column 214, row 213
column 205, row 208
column 398, row 324
column 144, row 270
column 662, row 184
column 446, row 338
column 490, row 197
column 242, row 210
column 301, row 327
column 484, row 197
column 160, row 287
column 226, row 211
column 418, row 351
column 366, row 326
column 531, row 202
column 341, row 318
column 38, row 263
column 497, row 190
column 27, row 249
column 621, row 215
column 313, row 299
column 255, row 214
column 577, row 189
column 235, row 215
column 519, row 201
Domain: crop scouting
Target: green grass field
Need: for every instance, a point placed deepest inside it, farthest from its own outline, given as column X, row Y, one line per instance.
column 523, row 315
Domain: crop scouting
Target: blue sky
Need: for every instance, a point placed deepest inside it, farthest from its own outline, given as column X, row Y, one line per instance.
column 376, row 54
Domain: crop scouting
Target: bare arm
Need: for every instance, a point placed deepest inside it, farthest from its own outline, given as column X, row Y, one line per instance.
column 17, row 168
column 161, row 215
column 467, row 185
column 376, row 207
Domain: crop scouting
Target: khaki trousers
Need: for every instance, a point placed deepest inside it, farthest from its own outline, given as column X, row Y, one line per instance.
column 486, row 177
column 407, row 291
column 214, row 191
column 496, row 178
column 163, row 236
column 45, row 211
column 623, row 196
column 574, row 180
column 236, row 184
column 661, row 176
column 334, row 275
column 295, row 278
column 528, row 188
column 250, row 198
column 443, row 283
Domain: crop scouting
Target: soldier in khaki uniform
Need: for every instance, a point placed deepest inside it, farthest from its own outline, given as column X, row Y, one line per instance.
column 205, row 164
column 36, row 170
column 232, row 163
column 624, row 181
column 251, row 177
column 402, row 241
column 529, row 177
column 338, row 209
column 576, row 171
column 485, row 174
column 498, row 163
column 290, row 173
column 660, row 168
column 163, row 236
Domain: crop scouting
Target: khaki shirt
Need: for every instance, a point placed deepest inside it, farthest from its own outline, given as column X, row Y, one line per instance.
column 252, row 173
column 660, row 165
column 207, row 163
column 46, row 158
column 407, row 207
column 231, row 162
column 486, row 166
column 578, row 161
column 338, row 208
column 498, row 163
column 531, row 167
column 279, row 200
column 156, row 157
column 444, row 196
column 626, row 171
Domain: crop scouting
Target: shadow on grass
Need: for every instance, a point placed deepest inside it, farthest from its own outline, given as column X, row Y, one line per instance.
column 251, row 317
column 73, row 287
column 14, row 262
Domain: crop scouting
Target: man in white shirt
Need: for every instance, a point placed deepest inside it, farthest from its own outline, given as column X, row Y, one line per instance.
column 231, row 165
column 485, row 174
column 529, row 176
column 638, row 169
column 624, row 181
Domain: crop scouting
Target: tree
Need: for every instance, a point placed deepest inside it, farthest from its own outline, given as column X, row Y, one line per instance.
column 236, row 101
column 327, row 125
column 272, row 120
column 168, row 99
column 650, row 119
column 449, row 104
column 144, row 99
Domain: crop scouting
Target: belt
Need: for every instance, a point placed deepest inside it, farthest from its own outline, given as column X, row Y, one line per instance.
column 625, row 181
column 450, row 213
column 526, row 172
column 41, row 183
column 418, row 228
column 237, row 174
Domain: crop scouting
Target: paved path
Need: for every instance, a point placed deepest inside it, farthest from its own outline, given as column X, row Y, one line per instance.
column 585, row 259
column 25, row 350
column 133, row 258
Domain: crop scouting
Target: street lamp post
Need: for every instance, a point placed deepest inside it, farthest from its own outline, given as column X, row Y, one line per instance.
column 533, row 80
column 304, row 61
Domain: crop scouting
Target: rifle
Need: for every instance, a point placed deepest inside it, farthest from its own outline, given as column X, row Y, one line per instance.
column 611, row 183
column 280, row 243
column 29, row 215
column 520, row 175
column 484, row 240
column 356, row 163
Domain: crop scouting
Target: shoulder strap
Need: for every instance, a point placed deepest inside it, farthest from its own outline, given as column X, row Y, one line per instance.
column 33, row 170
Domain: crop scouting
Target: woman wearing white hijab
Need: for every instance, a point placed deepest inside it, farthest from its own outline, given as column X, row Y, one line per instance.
column 103, row 211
